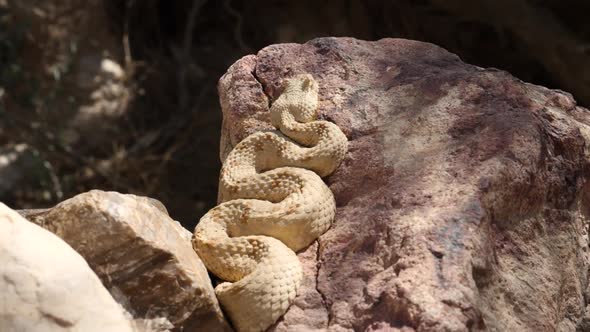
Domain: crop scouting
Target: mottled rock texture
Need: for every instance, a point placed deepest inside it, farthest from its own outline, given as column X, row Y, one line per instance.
column 462, row 202
column 46, row 286
column 143, row 256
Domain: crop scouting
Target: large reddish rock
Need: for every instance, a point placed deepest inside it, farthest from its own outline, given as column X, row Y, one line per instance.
column 463, row 199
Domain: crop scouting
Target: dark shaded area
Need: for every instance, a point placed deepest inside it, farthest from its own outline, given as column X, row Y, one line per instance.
column 163, row 139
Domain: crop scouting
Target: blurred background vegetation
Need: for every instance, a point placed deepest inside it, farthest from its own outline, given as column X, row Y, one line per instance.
column 121, row 94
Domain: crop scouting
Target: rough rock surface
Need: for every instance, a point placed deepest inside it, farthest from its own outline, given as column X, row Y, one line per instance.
column 46, row 286
column 462, row 202
column 144, row 257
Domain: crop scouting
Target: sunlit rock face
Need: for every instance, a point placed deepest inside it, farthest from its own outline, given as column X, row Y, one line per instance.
column 47, row 286
column 143, row 257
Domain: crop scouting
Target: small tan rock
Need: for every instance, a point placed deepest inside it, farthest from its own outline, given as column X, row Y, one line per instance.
column 143, row 256
column 46, row 286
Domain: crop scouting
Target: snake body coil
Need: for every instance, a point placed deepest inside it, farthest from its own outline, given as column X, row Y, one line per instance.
column 273, row 203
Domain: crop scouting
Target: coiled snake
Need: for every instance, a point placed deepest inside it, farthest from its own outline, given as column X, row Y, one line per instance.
column 273, row 203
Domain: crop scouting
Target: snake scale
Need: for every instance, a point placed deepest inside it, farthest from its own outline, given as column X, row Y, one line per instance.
column 273, row 203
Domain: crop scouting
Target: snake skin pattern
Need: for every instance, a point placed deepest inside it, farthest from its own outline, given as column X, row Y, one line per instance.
column 273, row 203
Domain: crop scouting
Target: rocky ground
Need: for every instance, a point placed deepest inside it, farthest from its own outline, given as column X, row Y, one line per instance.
column 461, row 204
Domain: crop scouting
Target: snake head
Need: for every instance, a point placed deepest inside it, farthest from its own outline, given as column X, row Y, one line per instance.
column 299, row 100
column 304, row 83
